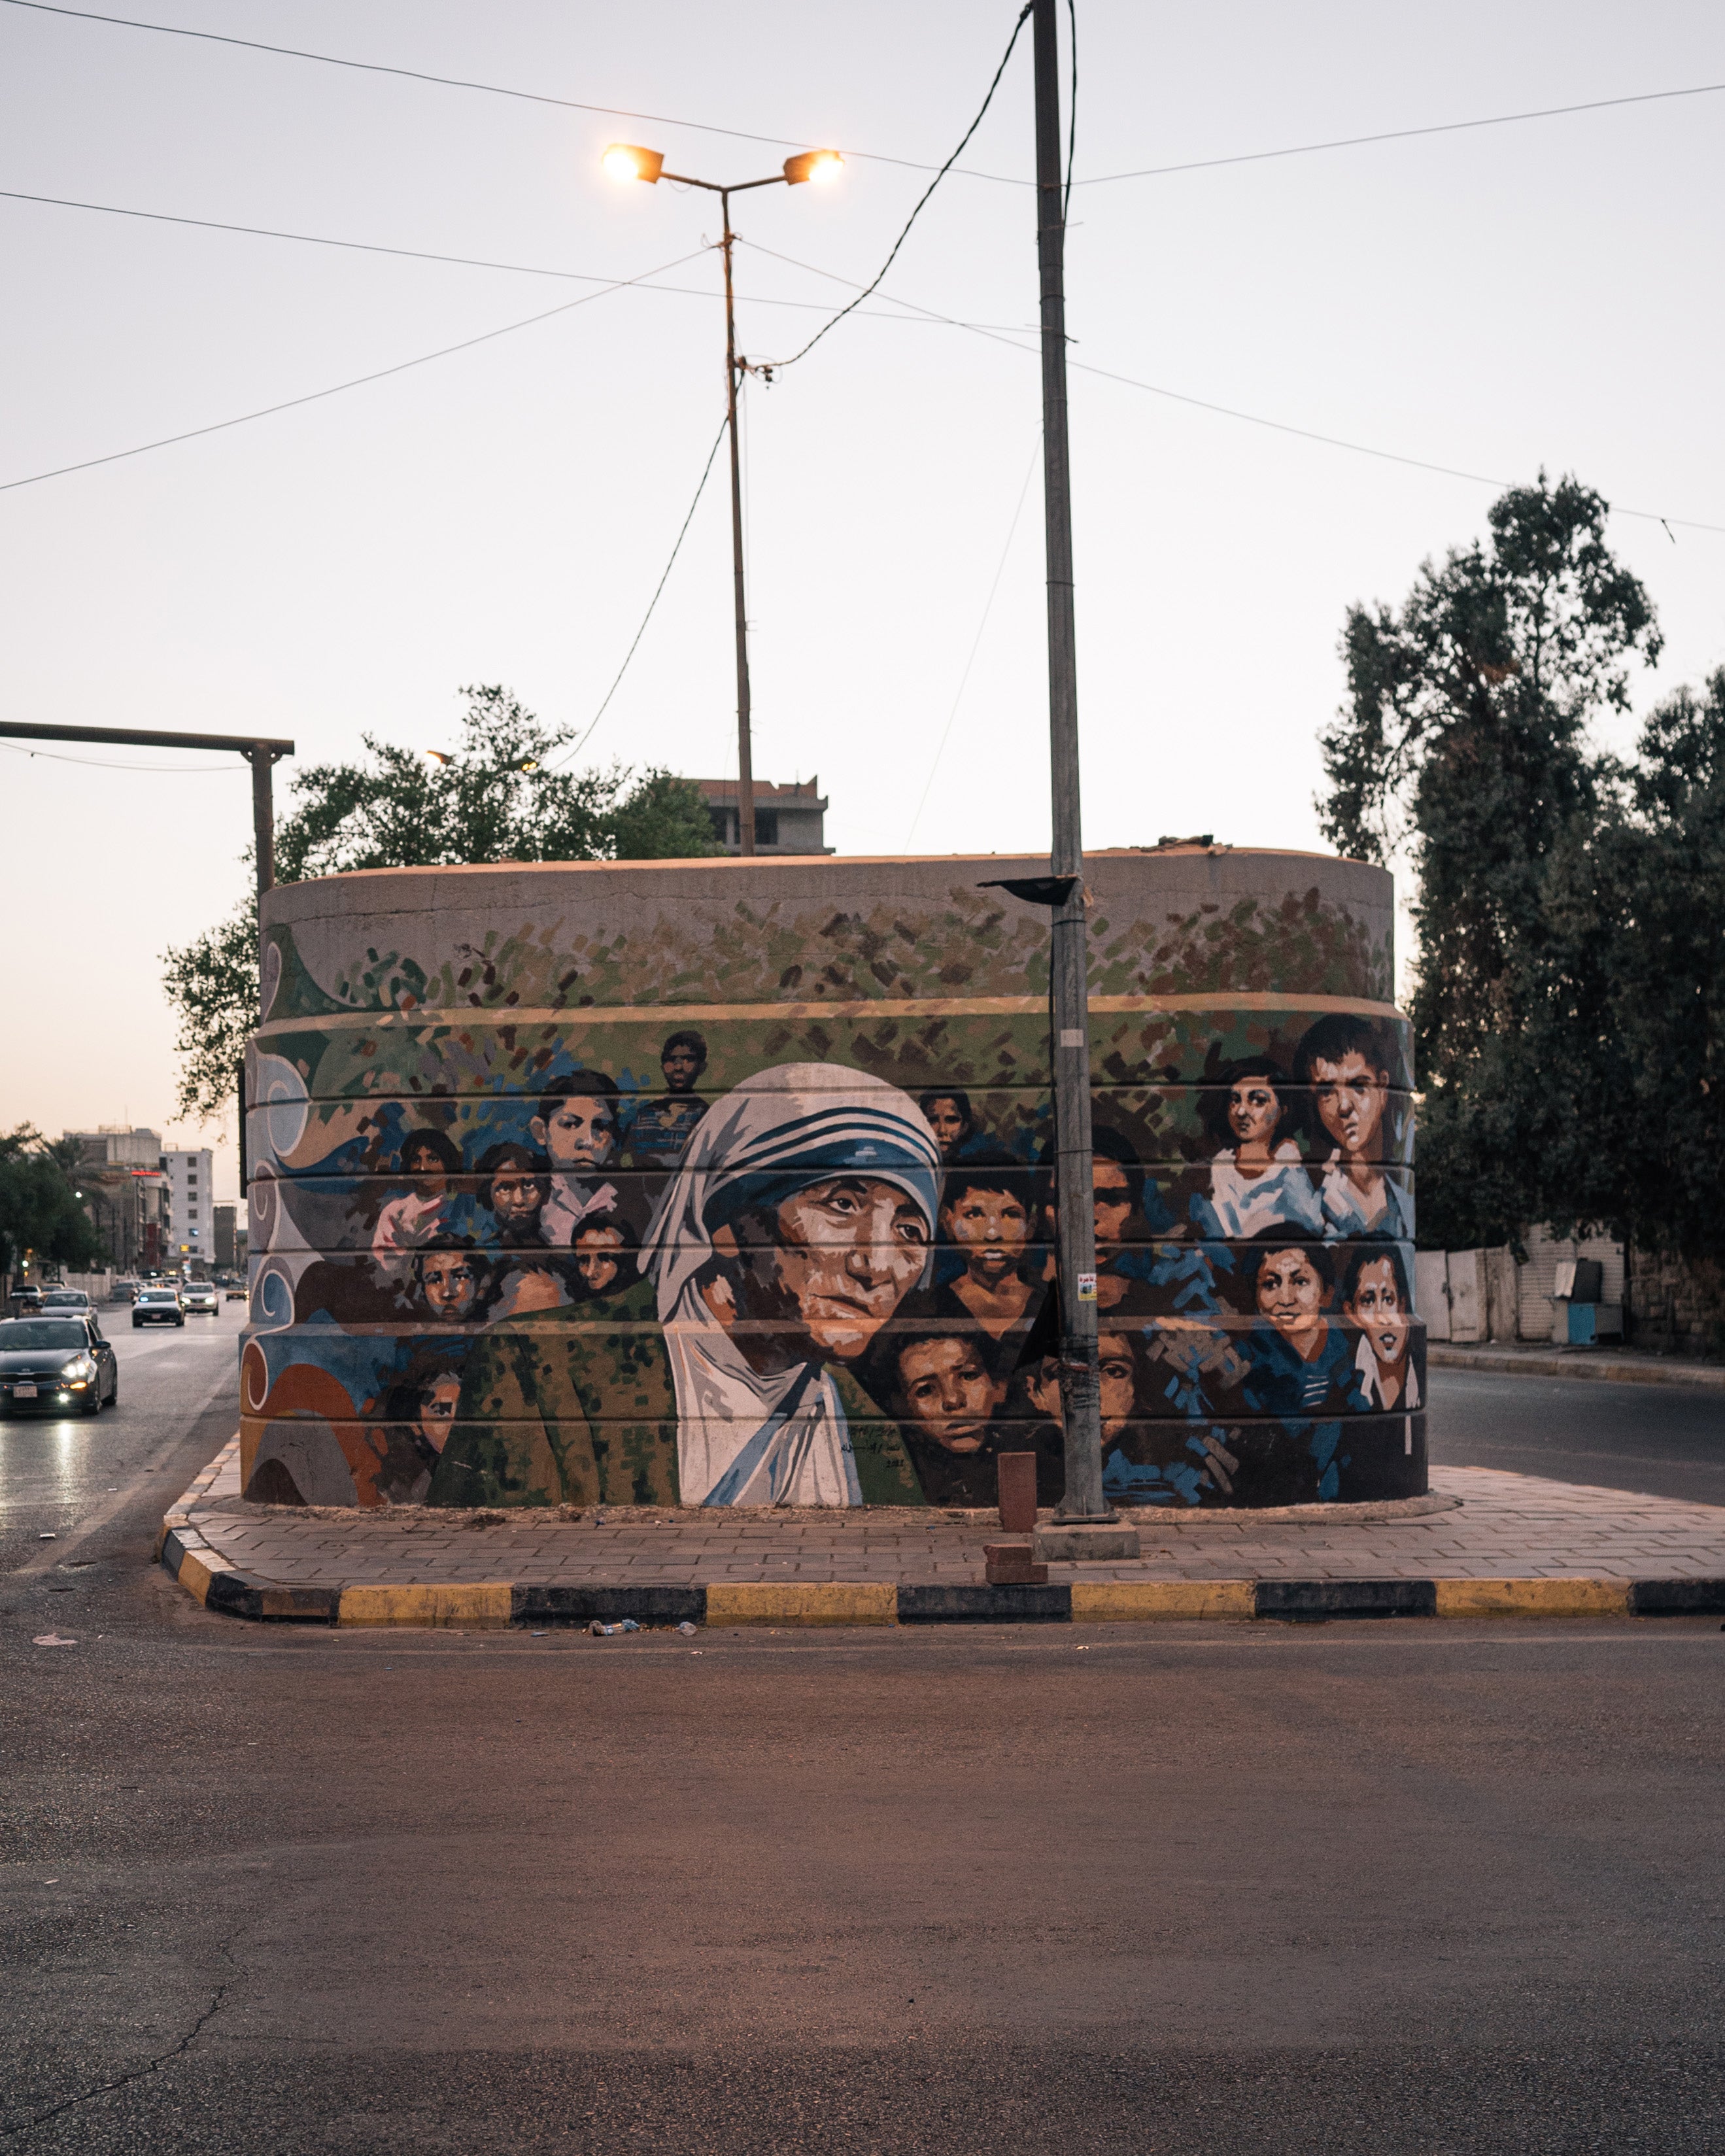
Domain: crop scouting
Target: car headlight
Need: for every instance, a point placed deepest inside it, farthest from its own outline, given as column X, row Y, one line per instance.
column 80, row 1366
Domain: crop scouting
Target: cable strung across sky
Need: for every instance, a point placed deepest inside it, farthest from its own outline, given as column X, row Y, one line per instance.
column 877, row 157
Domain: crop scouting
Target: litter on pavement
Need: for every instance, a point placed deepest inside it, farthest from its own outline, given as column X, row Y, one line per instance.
column 51, row 1639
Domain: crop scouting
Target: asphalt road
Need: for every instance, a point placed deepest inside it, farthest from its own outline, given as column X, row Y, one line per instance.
column 1661, row 1441
column 1392, row 1887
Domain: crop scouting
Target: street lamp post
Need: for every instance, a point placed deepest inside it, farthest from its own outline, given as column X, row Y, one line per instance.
column 627, row 160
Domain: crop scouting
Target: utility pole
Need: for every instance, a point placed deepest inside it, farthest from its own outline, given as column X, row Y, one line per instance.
column 261, row 753
column 1069, row 991
column 744, row 746
column 263, row 756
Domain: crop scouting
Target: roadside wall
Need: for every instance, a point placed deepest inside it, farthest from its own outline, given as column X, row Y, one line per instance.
column 727, row 1182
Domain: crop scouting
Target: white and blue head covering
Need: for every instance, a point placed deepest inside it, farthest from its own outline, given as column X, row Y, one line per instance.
column 744, row 1439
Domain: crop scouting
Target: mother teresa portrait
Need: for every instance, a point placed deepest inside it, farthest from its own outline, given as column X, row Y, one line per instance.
column 801, row 1215
column 799, row 1219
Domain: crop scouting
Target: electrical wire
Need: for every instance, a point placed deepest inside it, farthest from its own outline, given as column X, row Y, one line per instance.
column 1071, row 111
column 359, row 382
column 102, row 763
column 705, row 471
column 1406, row 134
column 977, row 645
column 461, row 82
column 1223, row 411
column 892, row 252
column 875, row 156
column 411, row 254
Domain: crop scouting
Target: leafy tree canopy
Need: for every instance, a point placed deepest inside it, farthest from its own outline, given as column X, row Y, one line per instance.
column 496, row 798
column 40, row 1209
column 1568, row 991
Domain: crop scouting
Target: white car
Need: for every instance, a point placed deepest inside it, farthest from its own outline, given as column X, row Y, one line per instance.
column 157, row 1305
column 200, row 1296
column 66, row 1302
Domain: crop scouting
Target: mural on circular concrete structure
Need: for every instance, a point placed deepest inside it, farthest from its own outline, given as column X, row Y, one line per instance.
column 616, row 1186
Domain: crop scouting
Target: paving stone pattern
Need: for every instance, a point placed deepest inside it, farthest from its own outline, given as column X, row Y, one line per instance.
column 1501, row 1526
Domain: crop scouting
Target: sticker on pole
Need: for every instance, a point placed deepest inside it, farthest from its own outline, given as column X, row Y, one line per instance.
column 1071, row 1036
column 1086, row 1287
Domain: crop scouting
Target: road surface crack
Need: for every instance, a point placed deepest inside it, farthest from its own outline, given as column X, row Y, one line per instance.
column 138, row 2074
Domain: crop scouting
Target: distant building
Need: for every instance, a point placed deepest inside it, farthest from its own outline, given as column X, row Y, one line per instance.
column 788, row 819
column 192, row 1222
column 227, row 1256
column 126, row 1193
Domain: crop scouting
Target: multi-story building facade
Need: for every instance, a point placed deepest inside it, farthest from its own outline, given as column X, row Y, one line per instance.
column 192, row 1205
column 125, row 1193
column 788, row 819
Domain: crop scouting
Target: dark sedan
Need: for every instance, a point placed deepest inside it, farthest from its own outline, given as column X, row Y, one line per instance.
column 56, row 1362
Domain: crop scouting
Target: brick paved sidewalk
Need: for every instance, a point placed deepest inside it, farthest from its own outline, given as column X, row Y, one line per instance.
column 1479, row 1523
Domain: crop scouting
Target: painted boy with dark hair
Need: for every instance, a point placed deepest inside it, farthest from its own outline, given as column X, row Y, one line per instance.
column 1346, row 1067
column 662, row 1127
column 577, row 1129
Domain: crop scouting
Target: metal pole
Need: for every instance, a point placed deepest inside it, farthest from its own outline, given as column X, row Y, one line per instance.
column 1068, row 956
column 263, row 764
column 745, row 757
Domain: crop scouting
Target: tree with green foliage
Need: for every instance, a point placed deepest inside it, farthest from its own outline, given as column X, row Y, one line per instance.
column 496, row 797
column 1620, row 1059
column 39, row 1209
column 1463, row 747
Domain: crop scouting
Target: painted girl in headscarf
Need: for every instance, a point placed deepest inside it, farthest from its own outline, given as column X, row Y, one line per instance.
column 800, row 1217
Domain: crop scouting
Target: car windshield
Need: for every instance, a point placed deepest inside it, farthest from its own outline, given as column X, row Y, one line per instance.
column 65, row 1299
column 22, row 1334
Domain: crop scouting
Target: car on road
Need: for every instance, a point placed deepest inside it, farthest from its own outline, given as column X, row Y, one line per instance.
column 56, row 1362
column 67, row 1301
column 158, row 1305
column 125, row 1290
column 200, row 1296
column 26, row 1299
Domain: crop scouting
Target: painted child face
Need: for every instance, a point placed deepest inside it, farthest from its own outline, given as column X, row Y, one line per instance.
column 1113, row 1199
column 596, row 1258
column 942, row 1117
column 449, row 1283
column 578, row 1135
column 847, row 1252
column 431, row 1179
column 1292, row 1294
column 991, row 1227
column 948, row 1392
column 1350, row 1095
column 1379, row 1310
column 1253, row 1111
column 436, row 1410
column 681, row 1067
column 516, row 1197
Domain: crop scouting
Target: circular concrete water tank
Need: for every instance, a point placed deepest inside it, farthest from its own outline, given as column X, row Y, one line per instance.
column 722, row 1182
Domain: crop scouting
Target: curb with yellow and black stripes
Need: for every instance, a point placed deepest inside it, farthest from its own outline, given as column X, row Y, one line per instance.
column 494, row 1604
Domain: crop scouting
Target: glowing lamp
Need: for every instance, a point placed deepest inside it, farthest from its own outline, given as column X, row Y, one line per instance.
column 821, row 165
column 627, row 160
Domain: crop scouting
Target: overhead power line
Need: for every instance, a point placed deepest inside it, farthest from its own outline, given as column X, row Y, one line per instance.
column 335, row 389
column 871, row 157
column 462, row 82
column 676, row 549
column 1223, row 411
column 922, row 201
column 1406, row 134
column 409, row 254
